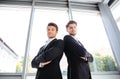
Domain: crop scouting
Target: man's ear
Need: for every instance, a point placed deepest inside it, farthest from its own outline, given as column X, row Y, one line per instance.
column 66, row 29
column 56, row 31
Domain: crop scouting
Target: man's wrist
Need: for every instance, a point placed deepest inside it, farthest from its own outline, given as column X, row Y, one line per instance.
column 41, row 65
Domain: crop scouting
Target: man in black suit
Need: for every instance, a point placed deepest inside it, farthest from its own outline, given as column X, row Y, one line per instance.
column 78, row 67
column 48, row 58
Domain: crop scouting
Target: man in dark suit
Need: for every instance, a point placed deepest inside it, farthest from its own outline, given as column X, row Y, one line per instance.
column 48, row 58
column 78, row 67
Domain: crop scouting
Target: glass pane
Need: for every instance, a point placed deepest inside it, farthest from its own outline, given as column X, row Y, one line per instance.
column 13, row 33
column 39, row 34
column 92, row 34
column 116, row 15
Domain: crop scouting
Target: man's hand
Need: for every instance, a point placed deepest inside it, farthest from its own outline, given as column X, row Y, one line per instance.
column 43, row 64
column 84, row 58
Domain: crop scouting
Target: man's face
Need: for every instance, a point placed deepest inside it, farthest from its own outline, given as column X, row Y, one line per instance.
column 51, row 31
column 72, row 29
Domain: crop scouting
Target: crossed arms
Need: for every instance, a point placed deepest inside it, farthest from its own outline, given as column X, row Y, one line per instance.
column 45, row 57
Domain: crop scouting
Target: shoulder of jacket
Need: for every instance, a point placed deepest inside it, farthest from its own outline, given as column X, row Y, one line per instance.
column 67, row 36
column 59, row 40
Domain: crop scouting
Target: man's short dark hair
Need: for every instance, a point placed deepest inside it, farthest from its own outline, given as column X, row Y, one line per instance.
column 71, row 22
column 53, row 24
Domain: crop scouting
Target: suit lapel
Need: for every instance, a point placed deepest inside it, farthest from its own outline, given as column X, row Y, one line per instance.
column 49, row 45
column 41, row 49
column 80, row 43
column 77, row 41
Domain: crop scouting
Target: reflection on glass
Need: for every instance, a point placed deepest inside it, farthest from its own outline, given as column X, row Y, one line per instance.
column 13, row 33
column 7, row 56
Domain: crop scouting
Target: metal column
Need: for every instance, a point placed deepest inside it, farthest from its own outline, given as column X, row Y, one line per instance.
column 28, row 41
column 111, row 30
column 69, row 10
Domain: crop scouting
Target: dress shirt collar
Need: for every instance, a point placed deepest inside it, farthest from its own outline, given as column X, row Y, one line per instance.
column 77, row 40
column 49, row 40
column 74, row 37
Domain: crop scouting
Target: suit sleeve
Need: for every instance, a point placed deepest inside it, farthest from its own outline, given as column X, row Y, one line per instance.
column 35, row 62
column 52, row 52
column 73, row 46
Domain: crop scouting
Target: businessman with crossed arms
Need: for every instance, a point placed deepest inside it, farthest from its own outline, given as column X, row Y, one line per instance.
column 48, row 58
column 78, row 67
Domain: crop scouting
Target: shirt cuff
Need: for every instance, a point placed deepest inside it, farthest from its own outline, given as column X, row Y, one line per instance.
column 41, row 65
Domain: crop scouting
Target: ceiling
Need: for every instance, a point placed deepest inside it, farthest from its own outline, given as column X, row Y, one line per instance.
column 75, row 4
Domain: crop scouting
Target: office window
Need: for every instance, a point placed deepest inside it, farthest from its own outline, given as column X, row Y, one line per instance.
column 116, row 15
column 92, row 34
column 13, row 32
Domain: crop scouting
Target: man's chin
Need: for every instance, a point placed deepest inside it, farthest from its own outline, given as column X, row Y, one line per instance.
column 73, row 34
column 51, row 37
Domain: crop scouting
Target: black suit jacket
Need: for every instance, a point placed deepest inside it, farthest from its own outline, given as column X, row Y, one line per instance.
column 77, row 67
column 53, row 52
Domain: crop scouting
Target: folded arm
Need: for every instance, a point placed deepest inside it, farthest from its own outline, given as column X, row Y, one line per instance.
column 72, row 44
column 47, row 56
